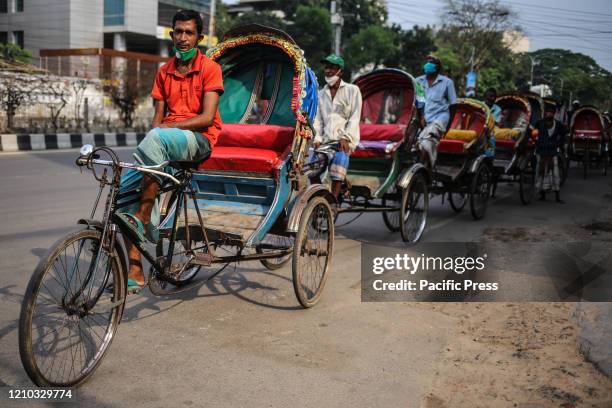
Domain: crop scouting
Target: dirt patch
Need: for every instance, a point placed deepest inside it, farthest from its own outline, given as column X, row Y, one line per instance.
column 598, row 230
column 515, row 355
column 605, row 226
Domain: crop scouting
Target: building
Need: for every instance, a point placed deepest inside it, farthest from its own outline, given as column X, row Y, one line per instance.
column 124, row 25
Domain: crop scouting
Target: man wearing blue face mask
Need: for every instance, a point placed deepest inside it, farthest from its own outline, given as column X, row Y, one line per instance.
column 439, row 95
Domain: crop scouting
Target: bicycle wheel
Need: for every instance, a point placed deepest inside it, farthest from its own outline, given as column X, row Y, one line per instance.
column 527, row 184
column 70, row 311
column 391, row 218
column 312, row 254
column 180, row 272
column 457, row 201
column 480, row 189
column 415, row 203
column 279, row 242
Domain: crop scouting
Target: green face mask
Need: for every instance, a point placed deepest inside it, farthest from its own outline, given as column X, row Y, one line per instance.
column 184, row 55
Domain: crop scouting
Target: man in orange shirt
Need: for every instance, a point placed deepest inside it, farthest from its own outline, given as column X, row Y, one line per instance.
column 185, row 128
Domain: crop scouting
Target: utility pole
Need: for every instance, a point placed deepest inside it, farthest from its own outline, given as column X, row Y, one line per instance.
column 211, row 23
column 337, row 22
column 532, row 64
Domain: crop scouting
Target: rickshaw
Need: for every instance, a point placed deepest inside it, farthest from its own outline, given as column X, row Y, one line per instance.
column 537, row 107
column 246, row 202
column 514, row 147
column 382, row 176
column 589, row 140
column 463, row 169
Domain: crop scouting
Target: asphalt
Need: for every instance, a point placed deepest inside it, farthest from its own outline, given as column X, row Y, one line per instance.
column 241, row 339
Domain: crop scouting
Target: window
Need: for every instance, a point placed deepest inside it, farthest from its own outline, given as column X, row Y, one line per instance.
column 18, row 5
column 3, row 37
column 114, row 11
column 18, row 38
column 3, row 6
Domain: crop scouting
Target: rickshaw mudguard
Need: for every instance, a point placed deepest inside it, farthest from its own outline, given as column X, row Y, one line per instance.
column 478, row 161
column 299, row 203
column 407, row 175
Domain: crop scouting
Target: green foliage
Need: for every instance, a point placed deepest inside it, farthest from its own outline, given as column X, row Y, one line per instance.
column 259, row 17
column 315, row 43
column 415, row 45
column 14, row 53
column 581, row 75
column 371, row 45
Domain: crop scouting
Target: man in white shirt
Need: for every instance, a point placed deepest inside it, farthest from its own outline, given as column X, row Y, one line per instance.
column 337, row 119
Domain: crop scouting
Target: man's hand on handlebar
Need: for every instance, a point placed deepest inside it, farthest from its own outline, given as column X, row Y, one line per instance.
column 344, row 146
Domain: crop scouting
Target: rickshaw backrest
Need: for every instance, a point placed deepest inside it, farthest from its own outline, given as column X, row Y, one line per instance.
column 255, row 76
column 271, row 137
column 587, row 119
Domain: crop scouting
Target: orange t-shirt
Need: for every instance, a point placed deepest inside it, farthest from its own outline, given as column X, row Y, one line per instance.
column 184, row 94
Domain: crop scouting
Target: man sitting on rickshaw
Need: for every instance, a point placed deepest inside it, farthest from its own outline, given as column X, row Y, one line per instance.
column 337, row 119
column 550, row 143
column 186, row 125
column 439, row 95
column 490, row 96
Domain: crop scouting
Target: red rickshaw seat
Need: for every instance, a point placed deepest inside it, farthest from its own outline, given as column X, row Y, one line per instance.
column 451, row 146
column 385, row 134
column 505, row 143
column 249, row 148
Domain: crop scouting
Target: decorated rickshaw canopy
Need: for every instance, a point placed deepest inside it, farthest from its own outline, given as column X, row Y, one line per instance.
column 389, row 96
column 476, row 106
column 514, row 101
column 264, row 71
column 537, row 106
column 587, row 118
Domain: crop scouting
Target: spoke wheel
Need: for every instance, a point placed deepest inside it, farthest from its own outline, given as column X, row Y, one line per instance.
column 479, row 191
column 391, row 218
column 181, row 272
column 70, row 311
column 280, row 242
column 527, row 183
column 413, row 213
column 313, row 249
column 457, row 201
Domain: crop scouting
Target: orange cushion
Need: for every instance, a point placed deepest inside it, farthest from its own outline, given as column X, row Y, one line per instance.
column 460, row 134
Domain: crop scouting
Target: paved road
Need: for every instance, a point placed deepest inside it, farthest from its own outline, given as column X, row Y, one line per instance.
column 242, row 340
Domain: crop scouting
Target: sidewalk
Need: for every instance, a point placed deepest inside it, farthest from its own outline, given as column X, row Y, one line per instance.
column 39, row 141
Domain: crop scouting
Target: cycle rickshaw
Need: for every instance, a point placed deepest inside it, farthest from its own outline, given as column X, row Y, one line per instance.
column 589, row 140
column 247, row 202
column 463, row 169
column 382, row 176
column 514, row 160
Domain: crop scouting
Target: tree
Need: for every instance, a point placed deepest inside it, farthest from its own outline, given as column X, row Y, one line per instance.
column 371, row 45
column 78, row 89
column 17, row 91
column 260, row 17
column 57, row 93
column 311, row 41
column 415, row 45
column 475, row 28
column 581, row 75
column 14, row 53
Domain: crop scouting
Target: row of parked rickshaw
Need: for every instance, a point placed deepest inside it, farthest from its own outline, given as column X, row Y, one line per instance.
column 474, row 155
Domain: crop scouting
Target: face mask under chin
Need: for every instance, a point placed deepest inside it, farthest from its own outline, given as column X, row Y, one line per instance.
column 331, row 80
column 184, row 55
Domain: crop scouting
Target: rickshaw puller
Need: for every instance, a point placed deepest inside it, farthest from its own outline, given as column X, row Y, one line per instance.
column 435, row 114
column 186, row 125
column 550, row 143
column 337, row 119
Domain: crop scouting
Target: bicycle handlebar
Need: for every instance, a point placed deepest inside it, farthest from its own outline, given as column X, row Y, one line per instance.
column 86, row 160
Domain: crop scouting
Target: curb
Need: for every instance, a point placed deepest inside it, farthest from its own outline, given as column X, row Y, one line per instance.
column 56, row 141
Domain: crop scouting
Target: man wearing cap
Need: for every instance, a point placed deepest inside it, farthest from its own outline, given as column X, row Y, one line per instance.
column 338, row 118
column 439, row 95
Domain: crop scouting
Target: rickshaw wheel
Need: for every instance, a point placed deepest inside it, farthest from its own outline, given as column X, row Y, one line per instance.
column 457, row 201
column 313, row 250
column 527, row 184
column 391, row 218
column 68, row 317
column 480, row 191
column 604, row 163
column 276, row 263
column 413, row 212
column 180, row 246
column 563, row 168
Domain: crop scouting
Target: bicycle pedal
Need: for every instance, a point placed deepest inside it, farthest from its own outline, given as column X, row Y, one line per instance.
column 202, row 259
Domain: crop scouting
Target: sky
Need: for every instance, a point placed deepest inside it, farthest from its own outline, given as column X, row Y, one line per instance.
column 583, row 26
